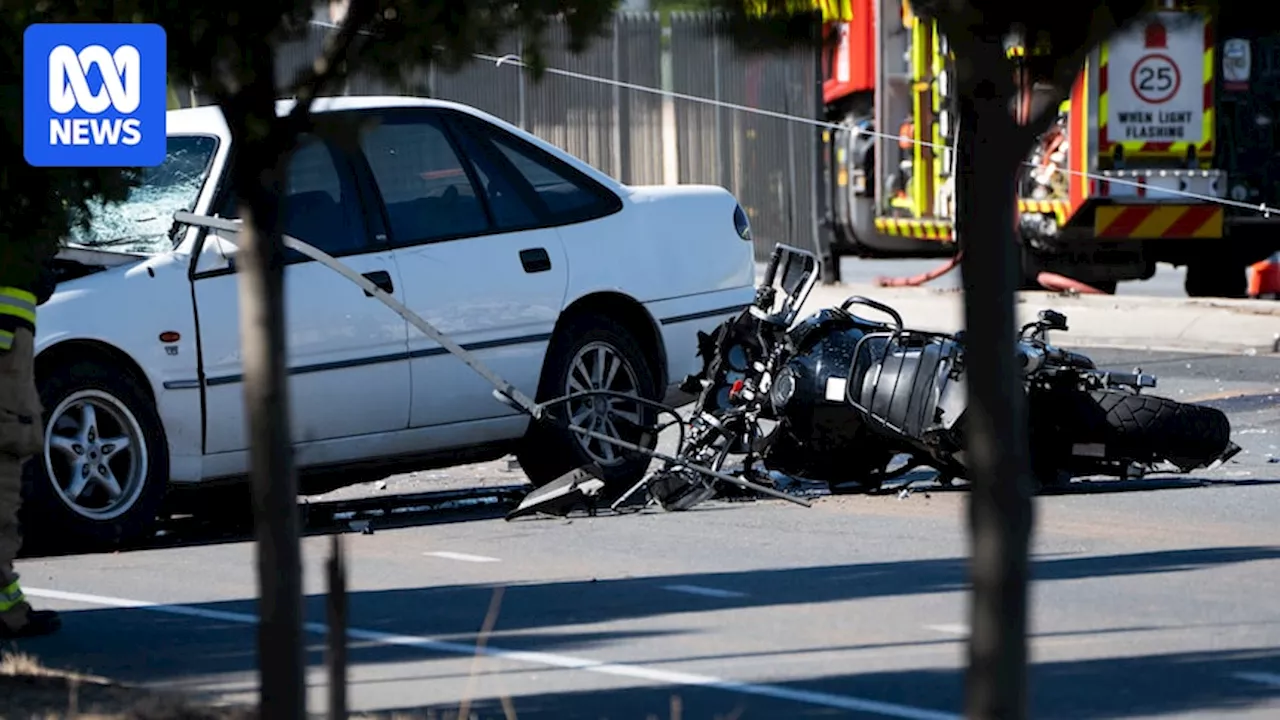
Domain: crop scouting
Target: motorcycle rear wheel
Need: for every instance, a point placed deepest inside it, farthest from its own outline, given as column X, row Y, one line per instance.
column 1149, row 428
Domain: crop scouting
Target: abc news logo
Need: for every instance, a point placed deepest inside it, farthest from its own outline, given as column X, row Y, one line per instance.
column 94, row 94
column 120, row 91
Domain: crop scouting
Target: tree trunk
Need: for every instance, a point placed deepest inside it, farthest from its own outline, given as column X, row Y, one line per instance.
column 990, row 150
column 259, row 187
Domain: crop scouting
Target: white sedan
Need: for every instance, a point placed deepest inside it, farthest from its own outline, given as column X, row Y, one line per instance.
column 557, row 276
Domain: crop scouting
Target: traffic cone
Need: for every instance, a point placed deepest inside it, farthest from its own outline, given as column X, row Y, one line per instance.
column 1264, row 278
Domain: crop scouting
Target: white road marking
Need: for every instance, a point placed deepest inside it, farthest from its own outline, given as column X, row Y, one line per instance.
column 464, row 557
column 954, row 629
column 1269, row 679
column 703, row 591
column 568, row 662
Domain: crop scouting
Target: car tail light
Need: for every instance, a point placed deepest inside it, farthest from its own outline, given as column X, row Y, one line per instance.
column 741, row 224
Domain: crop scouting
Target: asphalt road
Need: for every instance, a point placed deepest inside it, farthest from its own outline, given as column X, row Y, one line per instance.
column 1152, row 598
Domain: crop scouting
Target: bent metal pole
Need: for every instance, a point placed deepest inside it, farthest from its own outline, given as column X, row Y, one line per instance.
column 503, row 390
column 524, row 402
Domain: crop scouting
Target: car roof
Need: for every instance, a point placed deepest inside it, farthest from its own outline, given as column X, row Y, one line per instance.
column 209, row 120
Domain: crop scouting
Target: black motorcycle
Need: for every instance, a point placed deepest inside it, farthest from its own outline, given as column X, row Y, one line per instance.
column 837, row 397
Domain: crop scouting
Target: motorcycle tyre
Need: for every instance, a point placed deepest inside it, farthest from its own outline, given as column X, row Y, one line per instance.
column 1150, row 428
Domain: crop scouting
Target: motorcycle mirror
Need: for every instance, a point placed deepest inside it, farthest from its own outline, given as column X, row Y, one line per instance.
column 1053, row 320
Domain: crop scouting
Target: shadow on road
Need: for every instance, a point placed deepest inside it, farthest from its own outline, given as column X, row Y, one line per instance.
column 1147, row 686
column 234, row 524
column 390, row 512
column 215, row 642
column 922, row 482
column 1148, row 484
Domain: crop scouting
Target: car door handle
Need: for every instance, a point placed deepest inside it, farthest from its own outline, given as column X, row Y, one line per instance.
column 535, row 260
column 382, row 279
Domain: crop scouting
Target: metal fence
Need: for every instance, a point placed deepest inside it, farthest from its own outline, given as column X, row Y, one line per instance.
column 770, row 163
column 645, row 137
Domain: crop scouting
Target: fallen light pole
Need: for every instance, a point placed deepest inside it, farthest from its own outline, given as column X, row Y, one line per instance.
column 504, row 391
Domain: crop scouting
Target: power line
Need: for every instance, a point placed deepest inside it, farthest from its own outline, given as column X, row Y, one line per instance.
column 515, row 61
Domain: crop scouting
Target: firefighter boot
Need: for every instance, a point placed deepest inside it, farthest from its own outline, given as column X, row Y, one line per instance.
column 20, row 438
column 17, row 619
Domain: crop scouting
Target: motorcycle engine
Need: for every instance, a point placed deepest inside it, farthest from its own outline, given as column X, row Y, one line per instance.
column 820, row 436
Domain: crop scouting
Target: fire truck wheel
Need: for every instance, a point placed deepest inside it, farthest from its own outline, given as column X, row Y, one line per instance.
column 1215, row 277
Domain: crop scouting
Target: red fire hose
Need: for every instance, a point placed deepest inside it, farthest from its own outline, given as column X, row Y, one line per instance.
column 922, row 278
column 1062, row 283
column 1047, row 280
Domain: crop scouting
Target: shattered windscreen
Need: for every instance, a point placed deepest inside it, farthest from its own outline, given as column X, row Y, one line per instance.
column 142, row 222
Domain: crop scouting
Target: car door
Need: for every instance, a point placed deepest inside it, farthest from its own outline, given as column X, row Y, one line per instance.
column 347, row 352
column 478, row 263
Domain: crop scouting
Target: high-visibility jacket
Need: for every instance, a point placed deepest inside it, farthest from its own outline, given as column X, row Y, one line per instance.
column 18, row 305
column 17, row 310
column 11, row 596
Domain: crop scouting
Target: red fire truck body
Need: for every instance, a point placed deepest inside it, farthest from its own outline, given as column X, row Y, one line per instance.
column 1171, row 129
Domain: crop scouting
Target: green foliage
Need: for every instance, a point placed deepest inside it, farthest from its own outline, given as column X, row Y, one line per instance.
column 769, row 25
column 38, row 206
column 227, row 49
column 666, row 6
column 214, row 43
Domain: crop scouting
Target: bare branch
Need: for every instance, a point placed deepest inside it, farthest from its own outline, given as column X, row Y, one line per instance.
column 1102, row 24
column 961, row 21
column 313, row 81
column 1045, row 109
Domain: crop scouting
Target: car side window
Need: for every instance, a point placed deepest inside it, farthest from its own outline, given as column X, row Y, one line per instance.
column 509, row 208
column 567, row 198
column 321, row 205
column 424, row 184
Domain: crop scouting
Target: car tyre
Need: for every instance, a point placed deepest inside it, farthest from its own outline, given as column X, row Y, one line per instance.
column 550, row 449
column 123, row 484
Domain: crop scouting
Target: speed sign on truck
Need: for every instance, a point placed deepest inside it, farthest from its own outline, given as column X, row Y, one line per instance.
column 1155, row 86
column 1155, row 78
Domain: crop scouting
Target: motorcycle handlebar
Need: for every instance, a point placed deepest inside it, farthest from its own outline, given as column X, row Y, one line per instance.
column 1033, row 355
column 859, row 300
column 1071, row 359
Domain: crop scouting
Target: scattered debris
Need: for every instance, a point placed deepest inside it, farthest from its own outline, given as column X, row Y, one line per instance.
column 576, row 489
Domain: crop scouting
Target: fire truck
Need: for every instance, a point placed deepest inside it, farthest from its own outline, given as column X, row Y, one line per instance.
column 1169, row 134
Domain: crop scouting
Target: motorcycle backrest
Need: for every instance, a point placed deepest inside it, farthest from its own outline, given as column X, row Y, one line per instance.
column 791, row 274
column 897, row 379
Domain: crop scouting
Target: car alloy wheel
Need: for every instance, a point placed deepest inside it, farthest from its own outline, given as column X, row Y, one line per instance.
column 599, row 366
column 95, row 454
